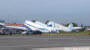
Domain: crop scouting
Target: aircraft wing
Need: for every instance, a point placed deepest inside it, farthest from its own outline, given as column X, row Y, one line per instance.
column 16, row 27
column 75, row 28
column 3, row 24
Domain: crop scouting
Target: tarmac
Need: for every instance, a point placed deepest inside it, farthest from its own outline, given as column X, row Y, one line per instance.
column 33, row 42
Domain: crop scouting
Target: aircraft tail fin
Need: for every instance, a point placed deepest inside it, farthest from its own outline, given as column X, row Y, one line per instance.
column 70, row 26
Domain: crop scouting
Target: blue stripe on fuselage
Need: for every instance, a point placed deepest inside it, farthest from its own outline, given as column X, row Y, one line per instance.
column 34, row 27
column 27, row 27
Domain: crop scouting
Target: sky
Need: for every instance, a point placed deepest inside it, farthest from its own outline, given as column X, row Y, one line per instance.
column 60, row 11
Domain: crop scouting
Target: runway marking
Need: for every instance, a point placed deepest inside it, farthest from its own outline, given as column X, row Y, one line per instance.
column 64, row 48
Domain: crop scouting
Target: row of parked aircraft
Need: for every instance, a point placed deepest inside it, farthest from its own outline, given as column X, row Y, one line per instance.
column 51, row 27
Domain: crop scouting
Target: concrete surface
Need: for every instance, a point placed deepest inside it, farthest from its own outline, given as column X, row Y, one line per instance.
column 29, row 42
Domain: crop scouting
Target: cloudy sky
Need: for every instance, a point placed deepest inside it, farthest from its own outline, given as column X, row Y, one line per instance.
column 60, row 11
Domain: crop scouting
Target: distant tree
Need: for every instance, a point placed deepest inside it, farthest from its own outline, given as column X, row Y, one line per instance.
column 33, row 20
column 2, row 21
column 74, row 24
column 14, row 23
column 47, row 21
column 82, row 25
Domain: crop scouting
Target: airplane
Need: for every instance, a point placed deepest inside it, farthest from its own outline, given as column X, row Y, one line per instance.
column 60, row 27
column 30, row 27
column 34, row 27
column 3, row 25
column 38, row 26
column 11, row 29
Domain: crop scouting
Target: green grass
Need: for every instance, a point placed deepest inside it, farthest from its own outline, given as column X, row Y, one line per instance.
column 62, row 34
column 69, row 33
